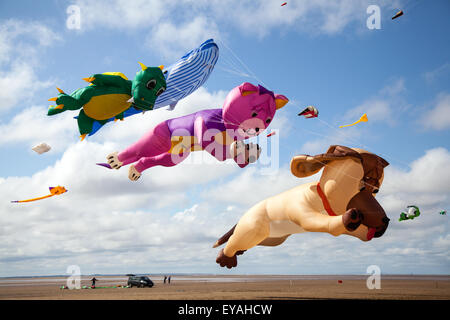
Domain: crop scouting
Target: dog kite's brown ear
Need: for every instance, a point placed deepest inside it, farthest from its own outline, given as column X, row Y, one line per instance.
column 305, row 166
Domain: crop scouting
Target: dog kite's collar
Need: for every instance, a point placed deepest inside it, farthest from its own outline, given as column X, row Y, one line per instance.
column 325, row 202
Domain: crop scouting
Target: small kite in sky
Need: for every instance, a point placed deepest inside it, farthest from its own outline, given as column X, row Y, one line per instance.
column 41, row 148
column 271, row 134
column 285, row 3
column 398, row 14
column 53, row 192
column 413, row 212
column 362, row 119
column 443, row 212
column 309, row 112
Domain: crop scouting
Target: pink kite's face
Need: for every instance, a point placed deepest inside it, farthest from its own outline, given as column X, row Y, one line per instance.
column 250, row 109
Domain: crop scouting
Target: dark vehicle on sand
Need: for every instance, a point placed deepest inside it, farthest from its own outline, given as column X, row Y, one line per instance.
column 139, row 281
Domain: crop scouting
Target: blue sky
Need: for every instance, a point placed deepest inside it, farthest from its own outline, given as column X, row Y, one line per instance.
column 317, row 53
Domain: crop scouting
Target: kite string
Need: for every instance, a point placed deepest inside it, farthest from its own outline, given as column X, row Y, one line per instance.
column 242, row 63
column 346, row 136
column 234, row 68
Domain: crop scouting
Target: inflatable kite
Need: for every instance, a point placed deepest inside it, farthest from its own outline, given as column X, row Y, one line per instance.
column 247, row 111
column 54, row 191
column 362, row 119
column 41, row 148
column 341, row 202
column 413, row 212
column 109, row 95
column 309, row 112
column 182, row 78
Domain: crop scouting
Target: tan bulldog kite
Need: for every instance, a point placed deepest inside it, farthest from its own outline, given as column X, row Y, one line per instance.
column 342, row 202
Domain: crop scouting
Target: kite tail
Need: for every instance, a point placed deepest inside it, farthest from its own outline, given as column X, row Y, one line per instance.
column 106, row 165
column 34, row 199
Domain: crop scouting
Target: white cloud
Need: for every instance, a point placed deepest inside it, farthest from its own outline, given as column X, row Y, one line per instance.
column 250, row 187
column 175, row 26
column 173, row 39
column 21, row 43
column 433, row 75
column 33, row 126
column 429, row 173
column 438, row 118
column 349, row 137
column 386, row 106
column 122, row 14
column 20, row 39
column 172, row 221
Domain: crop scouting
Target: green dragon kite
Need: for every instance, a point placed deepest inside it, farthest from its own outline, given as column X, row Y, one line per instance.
column 109, row 95
column 413, row 212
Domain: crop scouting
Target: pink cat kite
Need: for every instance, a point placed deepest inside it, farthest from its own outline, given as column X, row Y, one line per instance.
column 247, row 111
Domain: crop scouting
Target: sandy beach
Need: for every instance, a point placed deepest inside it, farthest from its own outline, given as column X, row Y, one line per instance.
column 210, row 287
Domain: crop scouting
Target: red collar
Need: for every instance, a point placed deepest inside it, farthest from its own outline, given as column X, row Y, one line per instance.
column 325, row 202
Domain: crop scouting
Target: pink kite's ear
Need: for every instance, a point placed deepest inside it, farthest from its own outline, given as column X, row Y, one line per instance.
column 280, row 101
column 247, row 88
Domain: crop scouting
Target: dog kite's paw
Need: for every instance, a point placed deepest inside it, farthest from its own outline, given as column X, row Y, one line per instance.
column 352, row 219
column 133, row 174
column 226, row 261
column 113, row 161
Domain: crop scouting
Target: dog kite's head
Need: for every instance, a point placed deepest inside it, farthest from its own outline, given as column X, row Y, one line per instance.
column 351, row 178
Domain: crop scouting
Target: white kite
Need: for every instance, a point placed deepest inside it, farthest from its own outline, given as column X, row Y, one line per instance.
column 41, row 148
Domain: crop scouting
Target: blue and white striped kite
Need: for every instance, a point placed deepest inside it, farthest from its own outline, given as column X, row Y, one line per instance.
column 188, row 74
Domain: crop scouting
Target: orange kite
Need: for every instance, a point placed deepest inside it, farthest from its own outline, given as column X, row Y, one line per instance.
column 53, row 192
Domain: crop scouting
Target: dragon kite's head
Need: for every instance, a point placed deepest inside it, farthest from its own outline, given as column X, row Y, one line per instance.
column 148, row 84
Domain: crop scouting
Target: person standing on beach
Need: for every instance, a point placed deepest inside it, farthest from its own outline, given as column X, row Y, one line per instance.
column 93, row 282
column 168, row 279
column 165, row 278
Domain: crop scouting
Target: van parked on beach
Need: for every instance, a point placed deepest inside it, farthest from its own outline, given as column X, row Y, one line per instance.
column 140, row 281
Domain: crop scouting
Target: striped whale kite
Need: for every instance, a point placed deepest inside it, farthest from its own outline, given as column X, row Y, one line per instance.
column 183, row 77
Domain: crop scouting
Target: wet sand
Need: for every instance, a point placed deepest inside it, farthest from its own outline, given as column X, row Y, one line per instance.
column 233, row 288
